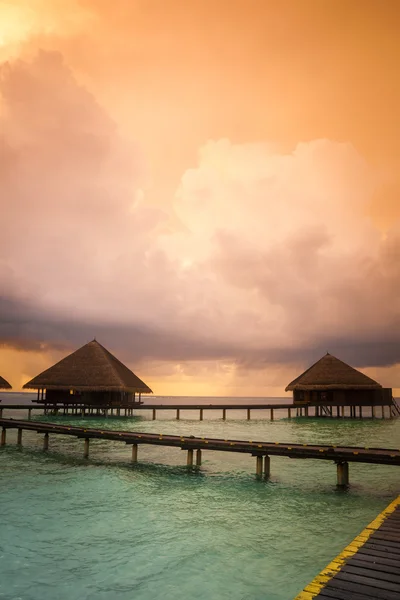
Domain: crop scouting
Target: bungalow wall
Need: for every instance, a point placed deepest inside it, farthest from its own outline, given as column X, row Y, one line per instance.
column 343, row 397
column 90, row 398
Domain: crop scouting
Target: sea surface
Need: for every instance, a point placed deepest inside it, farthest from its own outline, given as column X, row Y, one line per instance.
column 103, row 529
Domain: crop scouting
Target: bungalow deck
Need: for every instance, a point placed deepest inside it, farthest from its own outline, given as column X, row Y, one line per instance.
column 368, row 568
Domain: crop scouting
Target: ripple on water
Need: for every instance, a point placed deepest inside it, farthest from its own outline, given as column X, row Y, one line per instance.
column 101, row 529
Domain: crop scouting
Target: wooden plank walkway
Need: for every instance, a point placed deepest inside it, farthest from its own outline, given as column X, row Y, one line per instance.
column 368, row 568
column 292, row 410
column 340, row 455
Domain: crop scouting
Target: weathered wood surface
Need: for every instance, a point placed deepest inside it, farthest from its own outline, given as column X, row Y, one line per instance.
column 256, row 448
column 367, row 569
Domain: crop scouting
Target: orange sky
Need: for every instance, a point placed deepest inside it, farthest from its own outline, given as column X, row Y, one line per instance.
column 209, row 187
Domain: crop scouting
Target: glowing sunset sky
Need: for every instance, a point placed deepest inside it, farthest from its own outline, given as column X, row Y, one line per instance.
column 209, row 187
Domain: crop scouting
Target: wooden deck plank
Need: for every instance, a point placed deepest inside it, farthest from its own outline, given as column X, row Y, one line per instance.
column 360, row 588
column 371, row 562
column 372, row 553
column 368, row 568
column 372, row 573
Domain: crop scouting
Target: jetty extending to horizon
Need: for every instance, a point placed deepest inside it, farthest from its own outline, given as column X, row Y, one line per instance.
column 262, row 451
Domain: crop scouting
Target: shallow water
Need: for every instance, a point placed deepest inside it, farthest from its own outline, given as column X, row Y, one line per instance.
column 102, row 529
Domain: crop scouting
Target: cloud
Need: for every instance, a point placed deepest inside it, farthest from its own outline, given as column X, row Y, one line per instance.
column 276, row 259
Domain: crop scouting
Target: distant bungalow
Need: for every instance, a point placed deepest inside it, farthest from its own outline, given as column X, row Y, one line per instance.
column 89, row 376
column 332, row 382
column 4, row 385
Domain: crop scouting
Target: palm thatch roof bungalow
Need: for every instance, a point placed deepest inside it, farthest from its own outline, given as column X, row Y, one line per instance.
column 4, row 385
column 332, row 382
column 89, row 376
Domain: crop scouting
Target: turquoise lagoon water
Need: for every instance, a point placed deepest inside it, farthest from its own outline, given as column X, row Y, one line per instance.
column 102, row 529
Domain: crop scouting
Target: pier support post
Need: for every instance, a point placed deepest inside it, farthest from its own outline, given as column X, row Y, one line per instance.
column 86, row 448
column 189, row 461
column 343, row 474
column 259, row 466
column 198, row 458
column 46, row 442
column 224, row 414
column 373, row 411
column 154, row 414
column 19, row 437
column 267, row 467
column 289, row 413
column 1, row 413
column 361, row 412
column 178, row 413
column 248, row 414
column 306, row 411
column 383, row 411
column 3, row 437
column 272, row 414
column 134, row 453
column 201, row 414
column 29, row 414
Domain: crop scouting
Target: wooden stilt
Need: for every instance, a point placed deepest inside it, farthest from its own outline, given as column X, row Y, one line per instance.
column 3, row 437
column 360, row 412
column 134, row 453
column 289, row 413
column 86, row 448
column 1, row 413
column 19, row 437
column 343, row 474
column 337, row 412
column 272, row 414
column 373, row 411
column 201, row 414
column 189, row 461
column 224, row 414
column 198, row 458
column 29, row 414
column 46, row 442
column 154, row 414
column 267, row 467
column 248, row 414
column 178, row 413
column 306, row 411
column 259, row 466
column 383, row 411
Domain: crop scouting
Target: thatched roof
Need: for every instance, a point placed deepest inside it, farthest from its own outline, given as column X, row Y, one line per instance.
column 330, row 373
column 91, row 368
column 4, row 385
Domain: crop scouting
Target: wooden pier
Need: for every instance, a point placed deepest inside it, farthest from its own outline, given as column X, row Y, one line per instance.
column 377, row 411
column 262, row 451
column 368, row 568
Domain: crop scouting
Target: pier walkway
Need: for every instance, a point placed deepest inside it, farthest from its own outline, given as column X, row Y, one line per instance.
column 262, row 451
column 381, row 411
column 368, row 568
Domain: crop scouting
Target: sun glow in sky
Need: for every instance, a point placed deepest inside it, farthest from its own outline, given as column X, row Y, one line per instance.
column 210, row 188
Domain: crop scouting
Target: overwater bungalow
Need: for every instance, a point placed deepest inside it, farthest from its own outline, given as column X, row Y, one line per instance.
column 4, row 385
column 331, row 382
column 90, row 376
